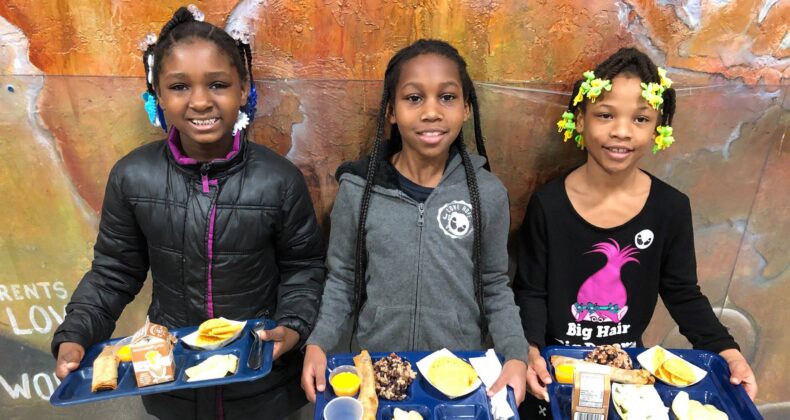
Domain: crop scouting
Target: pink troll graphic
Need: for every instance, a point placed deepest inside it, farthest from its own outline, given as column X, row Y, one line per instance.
column 602, row 297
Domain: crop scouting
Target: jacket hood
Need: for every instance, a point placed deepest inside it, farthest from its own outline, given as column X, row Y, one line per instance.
column 387, row 176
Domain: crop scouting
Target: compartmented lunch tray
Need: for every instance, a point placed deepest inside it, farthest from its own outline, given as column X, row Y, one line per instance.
column 422, row 396
column 714, row 388
column 76, row 387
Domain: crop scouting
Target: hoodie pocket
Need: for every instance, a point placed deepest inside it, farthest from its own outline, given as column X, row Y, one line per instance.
column 383, row 329
column 438, row 329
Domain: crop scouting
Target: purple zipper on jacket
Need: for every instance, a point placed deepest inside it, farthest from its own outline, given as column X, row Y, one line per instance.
column 174, row 143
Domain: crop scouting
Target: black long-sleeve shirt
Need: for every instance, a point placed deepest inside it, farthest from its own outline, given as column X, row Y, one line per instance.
column 578, row 284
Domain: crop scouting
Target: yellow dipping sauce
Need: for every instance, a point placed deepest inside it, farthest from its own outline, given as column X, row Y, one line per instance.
column 125, row 353
column 345, row 384
column 564, row 374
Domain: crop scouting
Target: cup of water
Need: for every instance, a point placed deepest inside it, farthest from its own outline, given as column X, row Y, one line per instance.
column 343, row 408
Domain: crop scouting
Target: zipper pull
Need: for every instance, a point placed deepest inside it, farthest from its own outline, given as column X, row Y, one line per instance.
column 204, row 178
column 421, row 219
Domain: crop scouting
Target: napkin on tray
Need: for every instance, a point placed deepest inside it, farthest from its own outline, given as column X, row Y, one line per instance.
column 488, row 369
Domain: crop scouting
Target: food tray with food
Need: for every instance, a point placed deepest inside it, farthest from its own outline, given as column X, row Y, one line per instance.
column 419, row 396
column 76, row 388
column 713, row 388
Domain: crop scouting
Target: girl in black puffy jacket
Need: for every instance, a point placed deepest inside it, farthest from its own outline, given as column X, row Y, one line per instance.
column 225, row 226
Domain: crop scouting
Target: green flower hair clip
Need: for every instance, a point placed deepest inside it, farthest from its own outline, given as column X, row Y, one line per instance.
column 591, row 88
column 567, row 125
column 664, row 138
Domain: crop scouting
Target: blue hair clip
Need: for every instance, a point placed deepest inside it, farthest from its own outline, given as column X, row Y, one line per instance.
column 252, row 102
column 155, row 114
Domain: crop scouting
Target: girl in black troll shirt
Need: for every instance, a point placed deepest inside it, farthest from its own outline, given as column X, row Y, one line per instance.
column 598, row 246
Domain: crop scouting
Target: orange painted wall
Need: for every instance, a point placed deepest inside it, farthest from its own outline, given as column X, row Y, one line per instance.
column 71, row 76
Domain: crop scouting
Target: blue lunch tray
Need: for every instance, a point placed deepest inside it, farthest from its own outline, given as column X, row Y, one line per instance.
column 76, row 387
column 714, row 389
column 422, row 397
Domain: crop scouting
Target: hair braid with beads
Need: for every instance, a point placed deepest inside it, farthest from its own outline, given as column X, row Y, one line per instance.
column 391, row 78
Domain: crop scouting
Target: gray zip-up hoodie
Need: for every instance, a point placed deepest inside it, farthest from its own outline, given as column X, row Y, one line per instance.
column 420, row 292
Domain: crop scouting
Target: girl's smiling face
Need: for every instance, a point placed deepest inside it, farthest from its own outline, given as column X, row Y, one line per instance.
column 619, row 127
column 428, row 105
column 201, row 93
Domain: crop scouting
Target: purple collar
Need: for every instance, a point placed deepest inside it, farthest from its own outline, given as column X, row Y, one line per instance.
column 174, row 143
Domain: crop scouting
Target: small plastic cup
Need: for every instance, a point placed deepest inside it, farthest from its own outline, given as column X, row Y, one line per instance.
column 343, row 408
column 345, row 391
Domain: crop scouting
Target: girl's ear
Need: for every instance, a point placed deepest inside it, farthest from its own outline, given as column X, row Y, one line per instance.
column 245, row 90
column 467, row 109
column 391, row 114
column 579, row 121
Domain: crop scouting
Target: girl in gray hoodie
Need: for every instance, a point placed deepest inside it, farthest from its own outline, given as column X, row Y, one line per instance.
column 418, row 257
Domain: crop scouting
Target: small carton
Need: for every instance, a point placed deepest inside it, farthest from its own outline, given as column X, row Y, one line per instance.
column 591, row 390
column 152, row 355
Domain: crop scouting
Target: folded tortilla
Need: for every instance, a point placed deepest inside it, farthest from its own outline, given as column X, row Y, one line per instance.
column 367, row 390
column 105, row 370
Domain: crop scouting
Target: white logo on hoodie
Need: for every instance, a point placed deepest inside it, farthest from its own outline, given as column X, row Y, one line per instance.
column 455, row 219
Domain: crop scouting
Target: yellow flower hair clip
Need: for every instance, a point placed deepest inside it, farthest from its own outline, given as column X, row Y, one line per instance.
column 591, row 88
column 664, row 138
column 567, row 125
column 666, row 82
column 652, row 92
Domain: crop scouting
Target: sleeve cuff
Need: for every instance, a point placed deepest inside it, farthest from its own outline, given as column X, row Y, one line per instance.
column 514, row 348
column 298, row 325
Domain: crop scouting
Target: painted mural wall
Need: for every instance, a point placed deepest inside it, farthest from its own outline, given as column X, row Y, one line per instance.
column 71, row 77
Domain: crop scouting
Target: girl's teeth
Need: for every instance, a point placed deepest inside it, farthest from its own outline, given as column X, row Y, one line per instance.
column 204, row 122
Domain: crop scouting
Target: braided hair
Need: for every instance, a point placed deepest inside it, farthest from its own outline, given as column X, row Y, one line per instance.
column 391, row 79
column 633, row 62
column 183, row 27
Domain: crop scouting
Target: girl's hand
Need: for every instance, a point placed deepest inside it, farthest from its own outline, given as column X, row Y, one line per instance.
column 284, row 339
column 514, row 373
column 740, row 371
column 537, row 374
column 69, row 357
column 313, row 371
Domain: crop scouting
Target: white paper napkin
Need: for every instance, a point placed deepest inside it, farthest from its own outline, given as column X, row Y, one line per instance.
column 488, row 369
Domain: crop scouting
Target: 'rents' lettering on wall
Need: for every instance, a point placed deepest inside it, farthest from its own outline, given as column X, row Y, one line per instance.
column 45, row 312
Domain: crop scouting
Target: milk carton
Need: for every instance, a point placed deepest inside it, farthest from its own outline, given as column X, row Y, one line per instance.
column 152, row 355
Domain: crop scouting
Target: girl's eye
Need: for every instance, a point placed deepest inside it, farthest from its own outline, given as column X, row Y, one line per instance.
column 642, row 119
column 447, row 97
column 414, row 99
column 604, row 115
column 218, row 85
column 178, row 86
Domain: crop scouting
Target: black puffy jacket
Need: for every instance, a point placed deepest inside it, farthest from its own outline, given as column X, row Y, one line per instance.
column 235, row 237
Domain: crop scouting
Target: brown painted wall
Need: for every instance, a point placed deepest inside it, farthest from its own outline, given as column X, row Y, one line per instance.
column 70, row 75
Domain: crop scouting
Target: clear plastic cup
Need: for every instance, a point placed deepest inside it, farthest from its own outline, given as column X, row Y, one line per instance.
column 343, row 408
column 344, row 391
